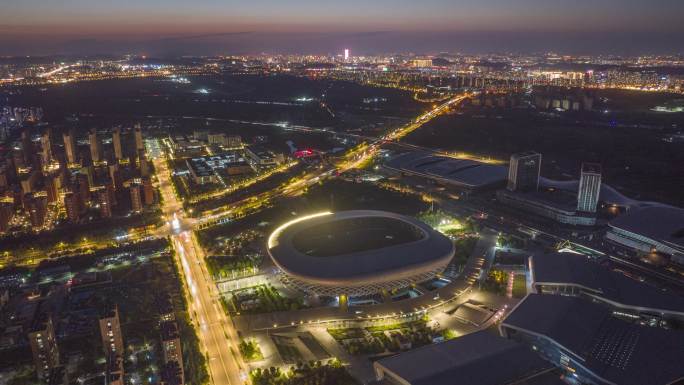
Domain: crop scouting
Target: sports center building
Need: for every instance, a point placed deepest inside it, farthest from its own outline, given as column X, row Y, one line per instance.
column 356, row 253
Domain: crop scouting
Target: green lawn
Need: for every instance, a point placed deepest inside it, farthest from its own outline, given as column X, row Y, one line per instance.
column 519, row 286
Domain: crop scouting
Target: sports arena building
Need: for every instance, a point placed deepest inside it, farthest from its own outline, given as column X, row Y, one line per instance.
column 462, row 174
column 357, row 253
column 650, row 229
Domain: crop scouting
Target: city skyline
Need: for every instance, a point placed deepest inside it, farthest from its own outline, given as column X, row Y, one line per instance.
column 380, row 193
column 209, row 27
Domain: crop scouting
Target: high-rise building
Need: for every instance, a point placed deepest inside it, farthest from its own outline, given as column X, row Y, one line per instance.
column 109, row 185
column 88, row 172
column 58, row 376
column 110, row 332
column 136, row 197
column 27, row 147
column 137, row 132
column 116, row 142
column 29, row 180
column 148, row 192
column 95, row 146
column 6, row 214
column 589, row 187
column 45, row 148
column 52, row 187
column 44, row 346
column 171, row 344
column 346, row 54
column 171, row 374
column 4, row 176
column 36, row 207
column 69, row 146
column 114, row 370
column 83, row 188
column 144, row 164
column 18, row 159
column 105, row 203
column 71, row 203
column 523, row 171
column 115, row 176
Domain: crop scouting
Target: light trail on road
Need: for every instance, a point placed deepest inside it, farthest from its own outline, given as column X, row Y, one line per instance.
column 216, row 332
column 353, row 159
column 214, row 328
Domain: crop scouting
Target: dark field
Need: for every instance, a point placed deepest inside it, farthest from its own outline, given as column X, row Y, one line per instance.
column 353, row 235
column 231, row 97
column 635, row 160
column 333, row 195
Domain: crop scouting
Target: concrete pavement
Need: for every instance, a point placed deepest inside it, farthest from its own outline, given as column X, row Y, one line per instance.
column 218, row 337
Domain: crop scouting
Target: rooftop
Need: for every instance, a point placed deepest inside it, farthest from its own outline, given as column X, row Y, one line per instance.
column 591, row 168
column 169, row 330
column 260, row 151
column 570, row 268
column 464, row 172
column 661, row 223
column 205, row 165
column 525, row 154
column 480, row 357
column 550, row 197
column 616, row 350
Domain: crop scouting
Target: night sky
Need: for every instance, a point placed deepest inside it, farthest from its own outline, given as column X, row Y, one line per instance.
column 167, row 27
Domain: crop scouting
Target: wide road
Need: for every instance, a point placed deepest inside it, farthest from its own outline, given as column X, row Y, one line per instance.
column 215, row 330
column 352, row 159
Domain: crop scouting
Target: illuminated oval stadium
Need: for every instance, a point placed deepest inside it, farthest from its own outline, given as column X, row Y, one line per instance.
column 358, row 252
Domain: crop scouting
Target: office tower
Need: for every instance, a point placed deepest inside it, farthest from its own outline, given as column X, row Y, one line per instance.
column 45, row 148
column 95, row 146
column 71, row 203
column 171, row 344
column 346, row 54
column 43, row 346
column 523, row 171
column 589, row 187
column 105, row 202
column 148, row 192
column 116, row 142
column 69, row 146
column 139, row 144
column 110, row 331
column 136, row 197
